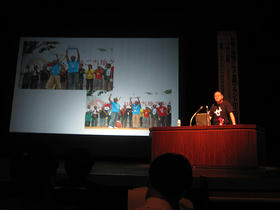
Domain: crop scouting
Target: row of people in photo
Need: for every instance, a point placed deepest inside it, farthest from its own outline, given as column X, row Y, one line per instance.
column 129, row 116
column 54, row 75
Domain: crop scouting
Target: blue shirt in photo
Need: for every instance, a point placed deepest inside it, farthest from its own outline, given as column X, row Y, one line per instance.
column 136, row 109
column 73, row 66
column 55, row 69
column 115, row 107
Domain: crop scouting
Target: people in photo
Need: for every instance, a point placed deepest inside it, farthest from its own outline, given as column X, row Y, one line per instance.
column 26, row 81
column 154, row 116
column 146, row 117
column 98, row 77
column 102, row 117
column 136, row 106
column 108, row 77
column 115, row 109
column 162, row 113
column 168, row 117
column 73, row 69
column 44, row 77
column 94, row 115
column 89, row 72
column 81, row 75
column 88, row 117
column 35, row 77
column 54, row 79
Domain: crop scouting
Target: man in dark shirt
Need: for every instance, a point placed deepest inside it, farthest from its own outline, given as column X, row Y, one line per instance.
column 221, row 111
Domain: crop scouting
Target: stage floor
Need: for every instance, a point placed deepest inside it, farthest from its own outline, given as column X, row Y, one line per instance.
column 260, row 184
column 261, row 178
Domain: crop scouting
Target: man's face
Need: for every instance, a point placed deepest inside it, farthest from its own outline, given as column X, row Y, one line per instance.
column 218, row 97
column 73, row 58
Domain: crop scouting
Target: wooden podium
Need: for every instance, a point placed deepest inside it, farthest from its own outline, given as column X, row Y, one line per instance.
column 239, row 146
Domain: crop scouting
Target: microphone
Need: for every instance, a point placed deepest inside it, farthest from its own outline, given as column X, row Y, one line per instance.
column 200, row 108
column 207, row 115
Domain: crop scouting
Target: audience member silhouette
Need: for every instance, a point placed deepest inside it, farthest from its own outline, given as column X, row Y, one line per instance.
column 79, row 190
column 32, row 171
column 78, row 164
column 75, row 189
column 170, row 175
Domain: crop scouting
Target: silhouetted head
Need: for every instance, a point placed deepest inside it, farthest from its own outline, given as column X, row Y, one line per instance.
column 78, row 163
column 32, row 167
column 170, row 174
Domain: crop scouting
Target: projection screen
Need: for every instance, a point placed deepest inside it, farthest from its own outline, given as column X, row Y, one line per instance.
column 102, row 86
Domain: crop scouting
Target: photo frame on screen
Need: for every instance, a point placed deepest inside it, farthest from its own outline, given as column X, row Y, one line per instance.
column 103, row 86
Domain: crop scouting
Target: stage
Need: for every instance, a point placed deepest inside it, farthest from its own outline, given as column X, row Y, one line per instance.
column 226, row 187
column 134, row 174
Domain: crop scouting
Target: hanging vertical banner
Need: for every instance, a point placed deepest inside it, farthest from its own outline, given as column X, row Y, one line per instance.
column 228, row 68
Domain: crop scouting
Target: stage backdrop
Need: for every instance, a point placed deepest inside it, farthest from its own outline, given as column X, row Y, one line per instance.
column 47, row 100
column 228, row 68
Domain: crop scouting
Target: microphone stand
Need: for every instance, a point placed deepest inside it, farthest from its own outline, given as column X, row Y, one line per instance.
column 207, row 116
column 195, row 114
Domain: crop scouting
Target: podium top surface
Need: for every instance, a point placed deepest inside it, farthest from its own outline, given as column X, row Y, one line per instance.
column 211, row 127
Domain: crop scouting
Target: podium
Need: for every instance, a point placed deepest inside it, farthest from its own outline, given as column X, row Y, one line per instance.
column 227, row 146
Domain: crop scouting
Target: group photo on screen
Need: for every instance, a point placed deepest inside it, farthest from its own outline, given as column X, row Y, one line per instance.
column 53, row 65
column 102, row 86
column 126, row 112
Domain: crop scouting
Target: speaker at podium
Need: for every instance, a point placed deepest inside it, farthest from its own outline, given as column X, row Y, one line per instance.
column 202, row 119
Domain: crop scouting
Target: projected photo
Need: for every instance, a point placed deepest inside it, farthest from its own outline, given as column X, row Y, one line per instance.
column 58, row 65
column 141, row 112
column 101, row 86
